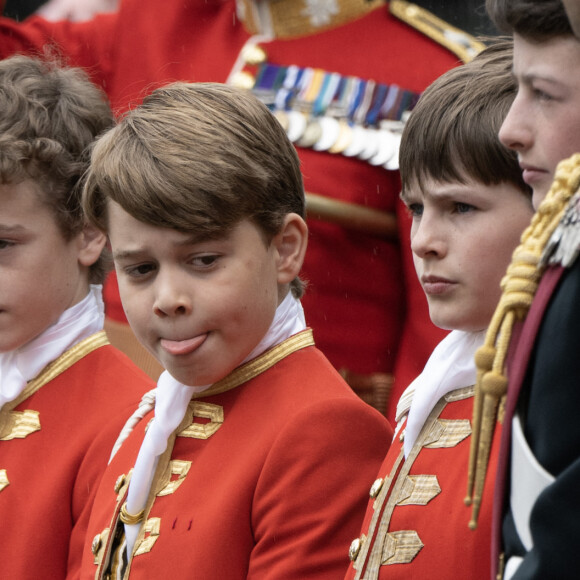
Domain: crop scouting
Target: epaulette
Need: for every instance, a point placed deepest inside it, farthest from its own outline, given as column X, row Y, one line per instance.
column 563, row 246
column 459, row 42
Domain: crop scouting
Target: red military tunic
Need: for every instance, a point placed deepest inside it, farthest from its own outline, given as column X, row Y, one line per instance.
column 363, row 296
column 416, row 525
column 264, row 478
column 55, row 441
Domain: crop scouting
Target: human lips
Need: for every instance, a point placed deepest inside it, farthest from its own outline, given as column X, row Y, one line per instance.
column 182, row 346
column 532, row 174
column 436, row 285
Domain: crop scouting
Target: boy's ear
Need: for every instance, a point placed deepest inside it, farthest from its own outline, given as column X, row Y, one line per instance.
column 291, row 242
column 91, row 242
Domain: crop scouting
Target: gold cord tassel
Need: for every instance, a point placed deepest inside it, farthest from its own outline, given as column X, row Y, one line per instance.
column 519, row 287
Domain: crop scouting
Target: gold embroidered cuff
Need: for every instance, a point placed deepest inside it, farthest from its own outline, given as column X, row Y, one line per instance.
column 128, row 518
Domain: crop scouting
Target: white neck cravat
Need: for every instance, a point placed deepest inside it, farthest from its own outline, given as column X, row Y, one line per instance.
column 19, row 366
column 450, row 366
column 171, row 401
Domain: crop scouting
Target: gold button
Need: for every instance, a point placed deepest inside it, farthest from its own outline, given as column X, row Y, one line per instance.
column 120, row 482
column 354, row 549
column 243, row 80
column 376, row 487
column 96, row 545
column 253, row 54
column 402, row 436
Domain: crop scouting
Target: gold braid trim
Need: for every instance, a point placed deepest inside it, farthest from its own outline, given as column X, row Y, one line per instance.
column 52, row 370
column 291, row 19
column 459, row 42
column 519, row 287
column 259, row 364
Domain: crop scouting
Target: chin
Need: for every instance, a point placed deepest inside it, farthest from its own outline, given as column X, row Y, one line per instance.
column 442, row 322
column 538, row 197
column 184, row 378
column 189, row 378
column 466, row 323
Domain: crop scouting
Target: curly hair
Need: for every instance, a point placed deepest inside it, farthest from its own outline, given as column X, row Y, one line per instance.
column 50, row 114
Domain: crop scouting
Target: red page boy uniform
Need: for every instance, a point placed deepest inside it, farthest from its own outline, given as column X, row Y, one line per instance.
column 64, row 398
column 262, row 478
column 422, row 480
column 355, row 275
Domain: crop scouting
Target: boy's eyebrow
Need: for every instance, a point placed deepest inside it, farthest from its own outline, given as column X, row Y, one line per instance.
column 126, row 254
column 529, row 78
column 11, row 229
column 190, row 240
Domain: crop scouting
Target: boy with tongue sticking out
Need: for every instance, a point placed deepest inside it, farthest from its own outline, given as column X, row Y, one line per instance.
column 258, row 454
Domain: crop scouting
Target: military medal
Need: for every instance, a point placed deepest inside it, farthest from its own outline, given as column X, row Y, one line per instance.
column 326, row 111
column 330, row 133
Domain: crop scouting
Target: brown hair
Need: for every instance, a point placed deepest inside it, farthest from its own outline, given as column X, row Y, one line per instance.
column 452, row 133
column 49, row 115
column 536, row 20
column 198, row 158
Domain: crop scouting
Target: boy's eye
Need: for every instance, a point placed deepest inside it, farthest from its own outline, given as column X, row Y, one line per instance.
column 139, row 270
column 416, row 209
column 205, row 261
column 542, row 95
column 461, row 207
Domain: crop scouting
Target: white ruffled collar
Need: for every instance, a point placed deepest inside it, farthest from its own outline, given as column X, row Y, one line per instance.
column 450, row 366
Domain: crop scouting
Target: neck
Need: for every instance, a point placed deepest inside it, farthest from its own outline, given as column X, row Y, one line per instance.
column 292, row 18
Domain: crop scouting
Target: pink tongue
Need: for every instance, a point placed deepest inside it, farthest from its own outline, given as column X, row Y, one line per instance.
column 182, row 346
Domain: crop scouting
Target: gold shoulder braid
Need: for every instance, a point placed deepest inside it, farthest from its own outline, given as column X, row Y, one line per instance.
column 519, row 286
column 459, row 42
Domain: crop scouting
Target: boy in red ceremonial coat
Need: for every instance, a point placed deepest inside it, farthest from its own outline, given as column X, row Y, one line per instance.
column 63, row 389
column 469, row 206
column 536, row 509
column 347, row 70
column 254, row 462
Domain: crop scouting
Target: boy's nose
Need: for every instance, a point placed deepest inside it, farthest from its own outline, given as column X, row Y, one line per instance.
column 170, row 300
column 515, row 132
column 426, row 238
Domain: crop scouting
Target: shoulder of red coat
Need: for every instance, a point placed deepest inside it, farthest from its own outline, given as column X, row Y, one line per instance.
column 459, row 42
